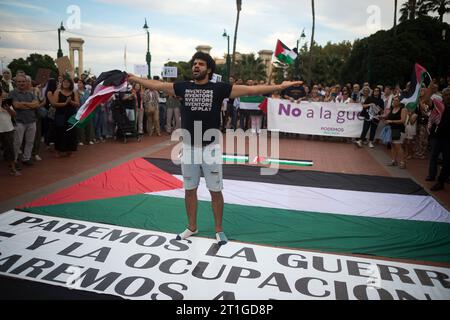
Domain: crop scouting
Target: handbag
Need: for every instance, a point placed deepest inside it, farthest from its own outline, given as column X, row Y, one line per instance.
column 385, row 135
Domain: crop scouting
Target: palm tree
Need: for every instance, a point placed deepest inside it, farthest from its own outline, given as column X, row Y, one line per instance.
column 239, row 8
column 395, row 14
column 250, row 68
column 311, row 57
column 440, row 6
column 412, row 9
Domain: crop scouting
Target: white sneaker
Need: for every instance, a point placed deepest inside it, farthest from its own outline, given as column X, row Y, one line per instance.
column 37, row 158
column 91, row 142
column 221, row 238
column 186, row 234
column 80, row 143
column 371, row 145
column 359, row 143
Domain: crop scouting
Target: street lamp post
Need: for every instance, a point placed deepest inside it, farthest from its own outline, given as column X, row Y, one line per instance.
column 60, row 29
column 148, row 58
column 239, row 8
column 297, row 61
column 227, row 36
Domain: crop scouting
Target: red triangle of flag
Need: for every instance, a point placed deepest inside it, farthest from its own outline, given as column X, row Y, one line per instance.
column 134, row 177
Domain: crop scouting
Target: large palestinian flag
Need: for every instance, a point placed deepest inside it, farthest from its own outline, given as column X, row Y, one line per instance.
column 295, row 235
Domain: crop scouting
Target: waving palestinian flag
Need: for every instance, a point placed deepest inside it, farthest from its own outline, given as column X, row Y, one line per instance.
column 106, row 85
column 411, row 99
column 284, row 54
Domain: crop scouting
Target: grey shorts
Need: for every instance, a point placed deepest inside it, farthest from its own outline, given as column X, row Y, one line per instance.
column 207, row 159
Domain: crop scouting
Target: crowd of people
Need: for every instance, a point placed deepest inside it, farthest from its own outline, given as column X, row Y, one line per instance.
column 413, row 134
column 33, row 114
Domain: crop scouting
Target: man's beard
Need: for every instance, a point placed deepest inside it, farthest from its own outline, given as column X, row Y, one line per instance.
column 201, row 76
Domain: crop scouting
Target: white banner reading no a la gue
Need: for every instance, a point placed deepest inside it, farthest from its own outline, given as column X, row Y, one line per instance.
column 315, row 118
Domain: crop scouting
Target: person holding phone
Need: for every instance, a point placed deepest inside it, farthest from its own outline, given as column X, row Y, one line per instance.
column 7, row 133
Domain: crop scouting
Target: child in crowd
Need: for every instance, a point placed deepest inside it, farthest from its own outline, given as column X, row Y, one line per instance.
column 410, row 131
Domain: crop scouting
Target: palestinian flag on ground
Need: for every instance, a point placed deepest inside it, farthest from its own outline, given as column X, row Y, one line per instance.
column 329, row 212
column 105, row 86
column 250, row 102
column 284, row 54
column 113, row 236
column 411, row 99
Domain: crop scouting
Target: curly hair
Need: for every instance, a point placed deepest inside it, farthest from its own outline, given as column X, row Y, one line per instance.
column 210, row 63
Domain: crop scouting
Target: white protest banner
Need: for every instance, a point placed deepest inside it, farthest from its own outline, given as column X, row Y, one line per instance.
column 170, row 72
column 315, row 118
column 145, row 264
column 141, row 69
column 216, row 78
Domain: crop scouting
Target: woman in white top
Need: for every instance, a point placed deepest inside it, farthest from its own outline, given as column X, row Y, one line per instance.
column 345, row 97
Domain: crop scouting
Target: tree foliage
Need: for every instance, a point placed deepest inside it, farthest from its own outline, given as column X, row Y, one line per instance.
column 33, row 63
column 441, row 7
column 411, row 10
column 387, row 58
column 384, row 57
column 327, row 66
column 250, row 68
column 184, row 70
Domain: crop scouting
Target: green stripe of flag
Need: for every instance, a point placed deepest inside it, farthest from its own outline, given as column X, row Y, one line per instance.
column 252, row 99
column 417, row 240
column 285, row 59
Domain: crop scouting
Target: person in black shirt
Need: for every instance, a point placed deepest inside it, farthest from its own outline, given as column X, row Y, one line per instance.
column 295, row 93
column 440, row 140
column 200, row 113
column 372, row 110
